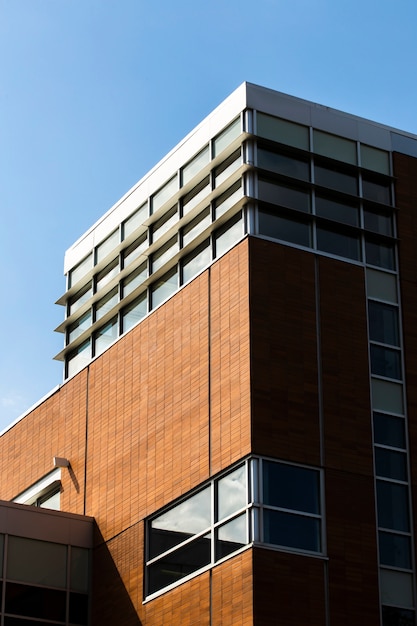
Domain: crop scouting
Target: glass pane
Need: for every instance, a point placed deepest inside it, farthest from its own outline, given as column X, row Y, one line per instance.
column 283, row 195
column 164, row 194
column 135, row 250
column 165, row 252
column 390, row 464
column 387, row 396
column 164, row 287
column 228, row 199
column 392, row 500
column 338, row 211
column 272, row 225
column 231, row 537
column 106, row 304
column 385, row 362
column 383, row 323
column 227, row 168
column 37, row 602
column 378, row 222
column 180, row 563
column 36, row 562
column 196, row 226
column 283, row 164
column 374, row 159
column 389, row 430
column 79, row 326
column 334, row 147
column 282, row 131
column 174, row 526
column 51, row 501
column 79, row 358
column 80, row 298
column 392, row 616
column 376, row 191
column 293, row 531
column 380, row 254
column 164, row 224
column 395, row 550
column 340, row 244
column 105, row 336
column 397, row 588
column 135, row 279
column 79, row 566
column 335, row 179
column 135, row 220
column 229, row 234
column 78, row 608
column 106, row 275
column 226, row 137
column 196, row 195
column 196, row 261
column 80, row 270
column 195, row 165
column 231, row 492
column 381, row 285
column 107, row 246
column 136, row 311
column 290, row 487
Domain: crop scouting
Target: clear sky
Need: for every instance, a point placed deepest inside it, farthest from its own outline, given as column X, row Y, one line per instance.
column 94, row 92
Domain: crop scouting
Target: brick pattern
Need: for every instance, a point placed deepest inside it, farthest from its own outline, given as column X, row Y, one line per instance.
column 405, row 170
column 229, row 358
column 288, row 590
column 345, row 370
column 57, row 427
column 285, row 419
column 232, row 582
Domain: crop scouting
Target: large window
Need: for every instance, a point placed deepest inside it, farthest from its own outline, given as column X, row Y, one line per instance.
column 259, row 500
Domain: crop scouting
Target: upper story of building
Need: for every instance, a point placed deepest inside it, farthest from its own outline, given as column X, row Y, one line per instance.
column 262, row 163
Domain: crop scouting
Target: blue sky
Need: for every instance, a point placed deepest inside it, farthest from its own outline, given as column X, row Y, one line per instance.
column 94, row 92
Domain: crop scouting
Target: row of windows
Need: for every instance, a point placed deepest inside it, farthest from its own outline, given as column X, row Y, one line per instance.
column 44, row 581
column 151, row 297
column 390, row 453
column 260, row 500
column 166, row 193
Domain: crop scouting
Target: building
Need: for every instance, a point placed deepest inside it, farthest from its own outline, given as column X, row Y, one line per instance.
column 240, row 387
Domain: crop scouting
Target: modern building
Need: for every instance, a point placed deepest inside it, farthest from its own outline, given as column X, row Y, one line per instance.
column 238, row 411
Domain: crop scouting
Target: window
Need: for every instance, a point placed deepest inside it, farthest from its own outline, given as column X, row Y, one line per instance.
column 106, row 275
column 196, row 226
column 164, row 194
column 385, row 362
column 335, row 179
column 135, row 220
column 106, row 304
column 389, row 430
column 226, row 137
column 283, row 195
column 374, row 159
column 78, row 358
column 380, row 254
column 133, row 313
column 229, row 198
column 271, row 224
column 135, row 279
column 291, row 506
column 164, row 224
column 227, row 168
column 376, row 190
column 80, row 270
column 165, row 252
column 229, row 234
column 282, row 131
column 283, row 164
column 337, row 210
column 195, row 165
column 334, row 147
column 79, row 326
column 45, row 493
column 165, row 287
column 214, row 522
column 383, row 323
column 80, row 298
column 196, row 195
column 338, row 243
column 378, row 222
column 135, row 250
column 196, row 261
column 105, row 336
column 107, row 246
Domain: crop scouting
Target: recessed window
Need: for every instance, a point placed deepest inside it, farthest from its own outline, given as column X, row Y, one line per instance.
column 390, row 464
column 395, row 550
column 80, row 270
column 381, row 285
column 228, row 199
column 389, row 430
column 165, row 223
column 165, row 287
column 376, row 190
column 196, row 261
column 135, row 250
column 227, row 168
column 393, row 616
column 196, row 226
column 135, row 279
column 135, row 220
column 283, row 195
column 109, row 244
column 79, row 326
column 380, row 254
column 334, row 147
column 106, row 275
column 393, row 508
column 134, row 312
column 335, row 179
column 195, row 165
column 375, row 159
column 196, row 195
column 80, row 298
column 105, row 336
column 165, row 252
column 271, row 224
column 282, row 131
column 164, row 194
column 336, row 210
column 283, row 164
column 226, row 137
column 378, row 222
column 78, row 358
column 383, row 323
column 229, row 234
column 338, row 243
column 385, row 362
column 107, row 303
